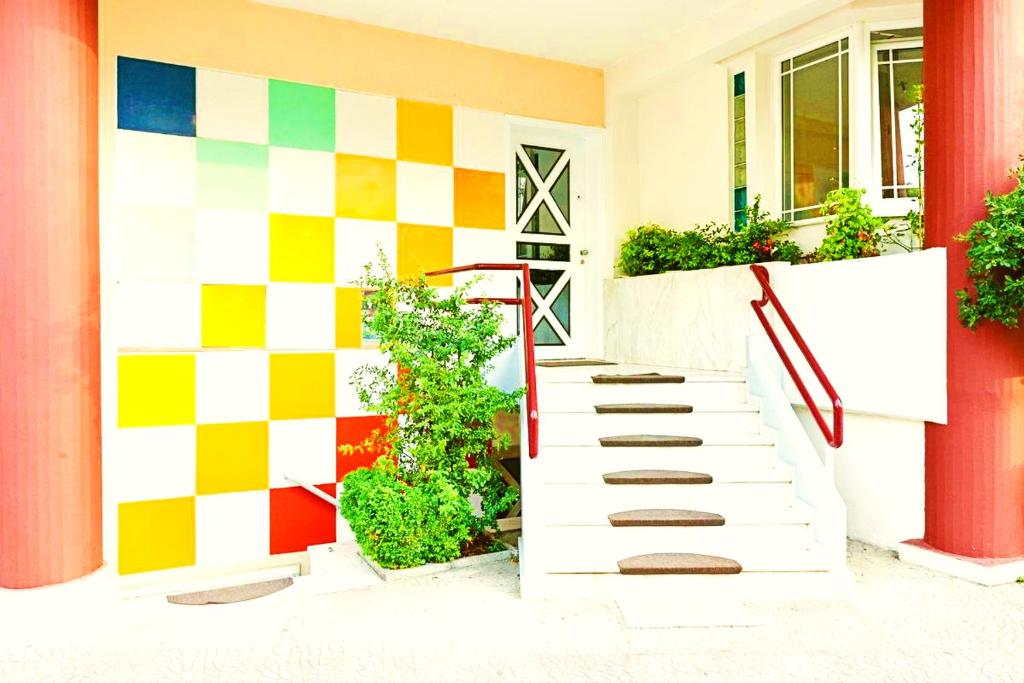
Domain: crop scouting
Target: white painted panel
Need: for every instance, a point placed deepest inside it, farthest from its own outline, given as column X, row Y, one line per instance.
column 346, row 362
column 300, row 316
column 365, row 125
column 301, row 182
column 232, row 386
column 157, row 315
column 232, row 527
column 232, row 247
column 355, row 245
column 426, row 194
column 481, row 140
column 152, row 463
column 154, row 169
column 154, row 243
column 304, row 450
column 231, row 107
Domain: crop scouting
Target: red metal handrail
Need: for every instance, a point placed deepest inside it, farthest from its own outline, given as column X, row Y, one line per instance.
column 833, row 436
column 532, row 415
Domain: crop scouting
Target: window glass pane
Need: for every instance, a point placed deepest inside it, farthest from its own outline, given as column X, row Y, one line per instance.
column 544, row 334
column 787, row 143
column 535, row 251
column 543, row 159
column 560, row 307
column 816, row 133
column 740, row 153
column 909, row 53
column 739, row 130
column 740, row 176
column 815, row 55
column 739, row 84
column 885, row 126
column 544, row 280
column 525, row 189
column 896, row 34
column 844, row 133
column 543, row 222
column 560, row 193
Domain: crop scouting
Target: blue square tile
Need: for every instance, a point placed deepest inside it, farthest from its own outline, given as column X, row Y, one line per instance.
column 155, row 97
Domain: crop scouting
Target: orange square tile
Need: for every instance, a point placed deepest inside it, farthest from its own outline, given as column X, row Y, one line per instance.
column 423, row 248
column 425, row 132
column 364, row 187
column 479, row 199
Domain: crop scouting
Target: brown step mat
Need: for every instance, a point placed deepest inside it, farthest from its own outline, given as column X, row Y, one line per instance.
column 643, row 378
column 656, row 477
column 642, row 408
column 571, row 363
column 650, row 441
column 665, row 517
column 678, row 563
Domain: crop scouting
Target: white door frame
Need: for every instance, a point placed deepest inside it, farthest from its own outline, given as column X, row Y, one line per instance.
column 588, row 214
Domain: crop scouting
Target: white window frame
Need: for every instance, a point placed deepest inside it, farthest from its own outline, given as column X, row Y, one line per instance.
column 883, row 206
column 853, row 53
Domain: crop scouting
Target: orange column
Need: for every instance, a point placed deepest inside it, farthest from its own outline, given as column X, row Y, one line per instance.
column 974, row 87
column 50, row 497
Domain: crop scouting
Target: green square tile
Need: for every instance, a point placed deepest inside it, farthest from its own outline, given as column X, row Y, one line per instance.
column 232, row 175
column 301, row 116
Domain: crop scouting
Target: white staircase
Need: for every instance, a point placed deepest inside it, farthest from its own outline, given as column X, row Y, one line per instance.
column 718, row 514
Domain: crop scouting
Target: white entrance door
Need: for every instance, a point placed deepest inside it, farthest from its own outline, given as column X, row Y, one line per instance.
column 547, row 196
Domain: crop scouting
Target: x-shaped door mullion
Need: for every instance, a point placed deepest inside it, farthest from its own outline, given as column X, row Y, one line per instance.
column 543, row 189
column 542, row 307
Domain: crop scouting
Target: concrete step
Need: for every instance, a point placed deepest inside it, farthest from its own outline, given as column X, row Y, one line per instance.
column 664, row 517
column 599, row 549
column 578, row 429
column 678, row 563
column 585, row 373
column 724, row 463
column 562, row 397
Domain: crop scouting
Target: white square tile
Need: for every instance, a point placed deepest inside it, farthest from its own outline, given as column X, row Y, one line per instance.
column 232, row 386
column 154, row 243
column 300, row 316
column 232, row 527
column 346, row 362
column 426, row 194
column 366, row 125
column 301, row 182
column 154, row 169
column 232, row 247
column 470, row 245
column 151, row 463
column 231, row 107
column 355, row 245
column 157, row 315
column 304, row 450
column 481, row 140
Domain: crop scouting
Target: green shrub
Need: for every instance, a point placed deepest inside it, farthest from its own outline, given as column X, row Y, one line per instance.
column 649, row 249
column 758, row 240
column 851, row 229
column 995, row 258
column 403, row 525
column 440, row 420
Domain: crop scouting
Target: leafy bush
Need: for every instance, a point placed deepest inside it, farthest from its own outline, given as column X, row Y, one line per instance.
column 851, row 230
column 403, row 525
column 439, row 413
column 995, row 258
column 649, row 249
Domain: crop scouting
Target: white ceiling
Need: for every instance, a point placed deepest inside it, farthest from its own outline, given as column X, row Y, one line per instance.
column 592, row 32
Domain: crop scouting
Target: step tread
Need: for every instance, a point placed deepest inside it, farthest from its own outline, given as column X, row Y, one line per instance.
column 678, row 563
column 643, row 408
column 571, row 363
column 639, row 378
column 665, row 517
column 650, row 441
column 656, row 477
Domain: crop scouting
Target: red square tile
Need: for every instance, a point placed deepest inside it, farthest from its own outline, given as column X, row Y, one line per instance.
column 298, row 519
column 353, row 431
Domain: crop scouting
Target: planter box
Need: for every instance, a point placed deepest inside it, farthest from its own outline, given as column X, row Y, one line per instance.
column 441, row 567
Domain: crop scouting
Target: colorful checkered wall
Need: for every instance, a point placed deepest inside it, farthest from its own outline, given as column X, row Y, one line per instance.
column 244, row 208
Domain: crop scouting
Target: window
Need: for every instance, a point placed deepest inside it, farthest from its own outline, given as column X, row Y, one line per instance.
column 899, row 60
column 815, row 128
column 739, row 149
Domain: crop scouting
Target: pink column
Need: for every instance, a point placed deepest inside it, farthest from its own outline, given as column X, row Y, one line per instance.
column 50, row 497
column 974, row 89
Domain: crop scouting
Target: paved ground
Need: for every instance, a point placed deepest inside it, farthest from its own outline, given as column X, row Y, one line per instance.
column 903, row 624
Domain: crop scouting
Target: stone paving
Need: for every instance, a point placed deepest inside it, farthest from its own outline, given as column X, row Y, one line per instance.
column 902, row 624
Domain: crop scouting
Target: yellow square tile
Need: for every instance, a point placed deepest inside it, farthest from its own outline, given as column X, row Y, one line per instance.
column 423, row 248
column 364, row 188
column 156, row 534
column 348, row 318
column 234, row 316
column 153, row 391
column 479, row 199
column 232, row 457
column 301, row 248
column 425, row 132
column 301, row 385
